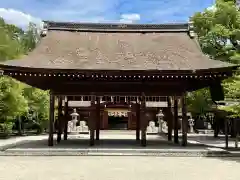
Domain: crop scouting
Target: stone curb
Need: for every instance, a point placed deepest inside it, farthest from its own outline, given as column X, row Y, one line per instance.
column 162, row 153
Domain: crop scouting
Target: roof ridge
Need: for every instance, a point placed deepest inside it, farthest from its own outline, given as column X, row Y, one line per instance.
column 72, row 26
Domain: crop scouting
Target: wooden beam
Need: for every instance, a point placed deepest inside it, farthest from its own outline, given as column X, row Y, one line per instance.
column 118, row 89
column 85, row 92
column 89, row 72
column 184, row 120
column 122, row 83
column 176, row 120
column 51, row 119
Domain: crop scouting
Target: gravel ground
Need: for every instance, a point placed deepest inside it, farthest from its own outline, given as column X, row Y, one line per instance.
column 118, row 168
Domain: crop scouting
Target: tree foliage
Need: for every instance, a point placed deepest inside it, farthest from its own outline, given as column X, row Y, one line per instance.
column 199, row 102
column 37, row 101
column 17, row 99
column 218, row 32
column 12, row 100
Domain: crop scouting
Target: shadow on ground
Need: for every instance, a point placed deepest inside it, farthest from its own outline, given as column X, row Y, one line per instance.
column 126, row 141
column 78, row 143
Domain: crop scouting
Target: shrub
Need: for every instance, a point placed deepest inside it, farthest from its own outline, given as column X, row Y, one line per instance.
column 6, row 129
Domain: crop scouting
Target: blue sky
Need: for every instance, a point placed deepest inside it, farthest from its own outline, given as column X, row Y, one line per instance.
column 130, row 11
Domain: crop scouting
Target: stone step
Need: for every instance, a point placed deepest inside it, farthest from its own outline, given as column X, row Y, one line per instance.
column 115, row 152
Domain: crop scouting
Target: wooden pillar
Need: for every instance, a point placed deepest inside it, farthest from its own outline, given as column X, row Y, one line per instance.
column 60, row 119
column 137, row 121
column 92, row 123
column 184, row 121
column 51, row 119
column 217, row 126
column 236, row 132
column 170, row 118
column 143, row 121
column 105, row 120
column 129, row 123
column 175, row 120
column 226, row 133
column 98, row 119
column 65, row 119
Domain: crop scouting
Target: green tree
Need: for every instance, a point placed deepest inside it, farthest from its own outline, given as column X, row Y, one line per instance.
column 199, row 102
column 12, row 101
column 38, row 101
column 218, row 32
column 17, row 99
column 10, row 47
column 30, row 38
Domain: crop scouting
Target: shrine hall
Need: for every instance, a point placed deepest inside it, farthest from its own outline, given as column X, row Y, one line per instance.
column 121, row 66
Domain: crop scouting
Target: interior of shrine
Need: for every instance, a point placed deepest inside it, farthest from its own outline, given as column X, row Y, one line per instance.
column 117, row 123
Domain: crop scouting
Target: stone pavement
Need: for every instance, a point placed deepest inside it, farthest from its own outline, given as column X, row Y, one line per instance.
column 114, row 143
column 209, row 140
column 14, row 141
column 118, row 168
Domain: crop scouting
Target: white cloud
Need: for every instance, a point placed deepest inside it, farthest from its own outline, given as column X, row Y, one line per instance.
column 129, row 18
column 212, row 8
column 19, row 18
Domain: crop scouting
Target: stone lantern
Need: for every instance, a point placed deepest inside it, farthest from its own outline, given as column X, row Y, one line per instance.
column 191, row 124
column 72, row 125
column 151, row 128
column 160, row 116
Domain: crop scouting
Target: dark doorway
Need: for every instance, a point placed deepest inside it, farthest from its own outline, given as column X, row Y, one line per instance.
column 117, row 123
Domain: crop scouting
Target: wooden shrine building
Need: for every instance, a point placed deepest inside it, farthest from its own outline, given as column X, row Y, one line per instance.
column 125, row 60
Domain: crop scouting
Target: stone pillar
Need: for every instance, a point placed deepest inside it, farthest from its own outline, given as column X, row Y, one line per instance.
column 65, row 119
column 51, row 119
column 176, row 120
column 92, row 123
column 170, row 118
column 143, row 121
column 184, row 120
column 98, row 119
column 60, row 119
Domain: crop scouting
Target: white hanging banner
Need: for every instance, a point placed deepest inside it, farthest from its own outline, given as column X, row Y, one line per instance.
column 117, row 112
column 156, row 104
column 79, row 103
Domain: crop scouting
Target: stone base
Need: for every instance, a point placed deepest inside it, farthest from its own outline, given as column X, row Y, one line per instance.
column 77, row 132
column 152, row 133
column 86, row 132
column 73, row 133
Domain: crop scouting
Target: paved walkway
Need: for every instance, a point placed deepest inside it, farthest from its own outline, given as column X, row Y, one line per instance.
column 116, row 142
column 14, row 141
column 118, row 168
